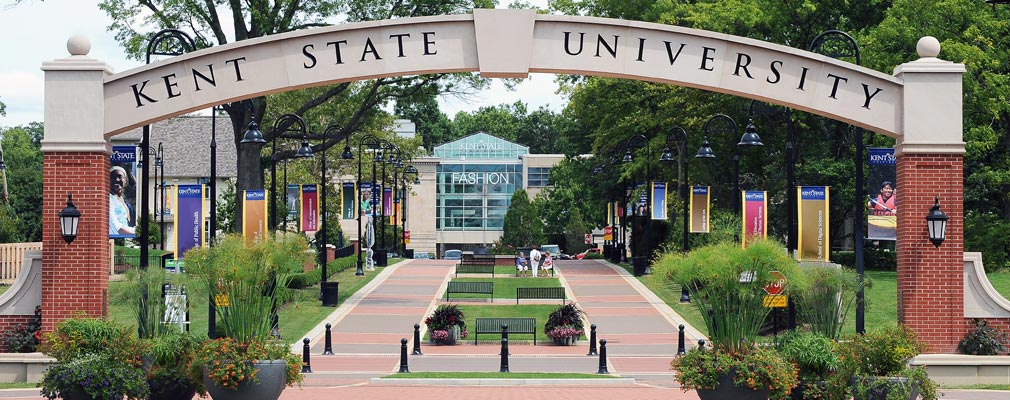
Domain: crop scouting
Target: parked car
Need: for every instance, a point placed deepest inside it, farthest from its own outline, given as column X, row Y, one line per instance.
column 453, row 255
column 551, row 248
column 421, row 255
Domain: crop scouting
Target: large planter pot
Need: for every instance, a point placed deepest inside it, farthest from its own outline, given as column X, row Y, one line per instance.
column 565, row 341
column 166, row 388
column 271, row 378
column 878, row 387
column 75, row 393
column 809, row 390
column 454, row 337
column 729, row 390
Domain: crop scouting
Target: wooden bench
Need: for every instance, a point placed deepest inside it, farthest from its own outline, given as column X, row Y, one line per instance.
column 456, row 287
column 465, row 268
column 519, row 326
column 540, row 293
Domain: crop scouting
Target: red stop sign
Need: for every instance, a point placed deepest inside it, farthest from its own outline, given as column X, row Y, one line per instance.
column 777, row 285
column 608, row 230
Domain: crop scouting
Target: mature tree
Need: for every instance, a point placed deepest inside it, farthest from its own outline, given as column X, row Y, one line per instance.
column 432, row 125
column 575, row 231
column 208, row 22
column 522, row 226
column 543, row 131
column 22, row 156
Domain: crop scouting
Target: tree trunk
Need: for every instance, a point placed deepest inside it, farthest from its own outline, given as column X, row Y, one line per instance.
column 249, row 172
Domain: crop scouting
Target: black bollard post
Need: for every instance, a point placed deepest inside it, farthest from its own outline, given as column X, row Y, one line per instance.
column 592, row 340
column 603, row 358
column 328, row 348
column 504, row 331
column 504, row 355
column 306, row 363
column 681, row 348
column 701, row 344
column 417, row 340
column 403, row 356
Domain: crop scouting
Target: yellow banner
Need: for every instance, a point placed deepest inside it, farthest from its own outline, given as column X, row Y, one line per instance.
column 254, row 214
column 814, row 222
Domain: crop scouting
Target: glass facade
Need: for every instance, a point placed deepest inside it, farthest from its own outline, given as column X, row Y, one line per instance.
column 474, row 193
column 539, row 176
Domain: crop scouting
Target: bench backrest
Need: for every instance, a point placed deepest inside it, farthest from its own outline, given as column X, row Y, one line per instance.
column 479, row 268
column 540, row 292
column 470, row 287
column 515, row 325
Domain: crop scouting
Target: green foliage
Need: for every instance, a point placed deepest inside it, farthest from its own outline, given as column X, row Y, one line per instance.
column 523, row 227
column 229, row 362
column 74, row 337
column 813, row 354
column 568, row 316
column 170, row 355
column 23, row 156
column 575, row 231
column 753, row 366
column 726, row 283
column 96, row 355
column 880, row 353
column 983, row 340
column 306, row 279
column 445, row 316
column 991, row 236
column 248, row 276
column 142, row 291
column 828, row 298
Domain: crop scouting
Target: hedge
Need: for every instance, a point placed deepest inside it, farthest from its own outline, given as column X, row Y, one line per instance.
column 311, row 278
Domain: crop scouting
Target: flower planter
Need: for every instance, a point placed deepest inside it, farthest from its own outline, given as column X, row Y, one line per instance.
column 878, row 387
column 271, row 376
column 809, row 390
column 729, row 390
column 453, row 338
column 566, row 341
column 76, row 393
column 165, row 388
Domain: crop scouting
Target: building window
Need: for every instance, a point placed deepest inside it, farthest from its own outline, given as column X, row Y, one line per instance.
column 538, row 176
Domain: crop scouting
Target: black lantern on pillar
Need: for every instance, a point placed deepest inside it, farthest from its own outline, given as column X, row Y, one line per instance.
column 936, row 222
column 69, row 218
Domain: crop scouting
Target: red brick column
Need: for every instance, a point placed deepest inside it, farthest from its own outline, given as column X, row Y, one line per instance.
column 930, row 279
column 75, row 276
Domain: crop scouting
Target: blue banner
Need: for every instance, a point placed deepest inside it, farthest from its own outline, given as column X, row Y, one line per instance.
column 189, row 219
column 659, row 200
column 123, row 192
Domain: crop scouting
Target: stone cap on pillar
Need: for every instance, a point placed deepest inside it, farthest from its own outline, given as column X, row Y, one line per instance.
column 74, row 101
column 932, row 103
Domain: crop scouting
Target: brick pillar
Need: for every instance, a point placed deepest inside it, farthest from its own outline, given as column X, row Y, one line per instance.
column 75, row 276
column 930, row 290
column 930, row 164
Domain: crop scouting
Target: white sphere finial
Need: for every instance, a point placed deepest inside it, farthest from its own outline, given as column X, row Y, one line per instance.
column 78, row 45
column 928, row 46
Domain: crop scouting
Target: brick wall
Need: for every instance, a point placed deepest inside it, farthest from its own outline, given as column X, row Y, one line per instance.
column 930, row 290
column 75, row 276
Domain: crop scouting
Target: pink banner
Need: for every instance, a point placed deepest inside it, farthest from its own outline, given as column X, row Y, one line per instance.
column 755, row 216
column 310, row 209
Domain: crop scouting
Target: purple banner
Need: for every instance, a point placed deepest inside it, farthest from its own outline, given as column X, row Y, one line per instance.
column 387, row 201
column 189, row 219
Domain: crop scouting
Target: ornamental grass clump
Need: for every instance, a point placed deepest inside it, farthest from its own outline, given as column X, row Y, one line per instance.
column 96, row 357
column 870, row 361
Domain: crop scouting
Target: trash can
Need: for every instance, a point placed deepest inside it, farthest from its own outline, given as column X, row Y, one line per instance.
column 408, row 253
column 606, row 251
column 615, row 253
column 330, row 294
column 381, row 257
column 639, row 264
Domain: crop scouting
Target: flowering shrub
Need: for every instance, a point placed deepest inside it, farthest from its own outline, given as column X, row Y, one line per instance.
column 439, row 335
column 98, row 376
column 444, row 317
column 24, row 338
column 564, row 332
column 228, row 362
column 881, row 353
column 754, row 367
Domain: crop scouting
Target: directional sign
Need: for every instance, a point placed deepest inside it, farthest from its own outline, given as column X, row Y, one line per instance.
column 777, row 285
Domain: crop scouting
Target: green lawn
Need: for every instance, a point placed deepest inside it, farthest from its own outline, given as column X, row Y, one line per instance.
column 506, row 287
column 510, row 310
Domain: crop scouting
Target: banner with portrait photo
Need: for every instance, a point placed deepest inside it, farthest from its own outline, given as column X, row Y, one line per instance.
column 755, row 216
column 659, row 200
column 309, row 221
column 254, row 214
column 701, row 202
column 882, row 210
column 123, row 192
column 292, row 201
column 814, row 221
column 189, row 219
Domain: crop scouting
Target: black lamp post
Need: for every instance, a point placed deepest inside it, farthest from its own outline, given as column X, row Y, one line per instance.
column 638, row 230
column 682, row 187
column 749, row 138
column 936, row 223
column 409, row 170
column 303, row 152
column 159, row 163
column 321, row 240
column 373, row 143
column 389, row 154
column 69, row 218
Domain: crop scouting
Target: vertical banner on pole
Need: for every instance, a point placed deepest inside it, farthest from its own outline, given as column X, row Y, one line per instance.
column 813, row 223
column 365, row 203
column 188, row 225
column 659, row 200
column 882, row 221
column 387, row 201
column 347, row 200
column 254, row 214
column 291, row 200
column 309, row 222
column 755, row 216
column 701, row 201
column 123, row 192
column 375, row 200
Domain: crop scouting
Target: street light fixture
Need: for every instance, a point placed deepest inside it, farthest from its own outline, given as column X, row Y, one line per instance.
column 633, row 145
column 408, row 170
column 936, row 222
column 749, row 138
column 373, row 143
column 304, row 151
column 683, row 188
column 321, row 239
column 69, row 218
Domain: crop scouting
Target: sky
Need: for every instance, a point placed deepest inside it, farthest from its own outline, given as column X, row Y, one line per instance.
column 37, row 31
